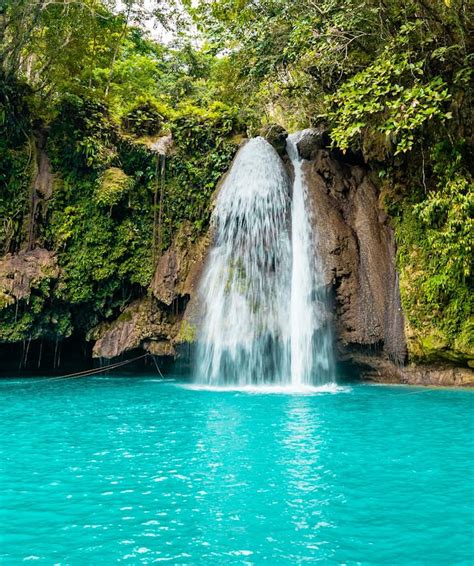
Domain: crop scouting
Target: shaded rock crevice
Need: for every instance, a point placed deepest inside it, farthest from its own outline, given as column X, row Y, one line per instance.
column 41, row 188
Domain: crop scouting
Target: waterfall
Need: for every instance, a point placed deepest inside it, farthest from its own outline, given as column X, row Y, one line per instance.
column 311, row 341
column 263, row 319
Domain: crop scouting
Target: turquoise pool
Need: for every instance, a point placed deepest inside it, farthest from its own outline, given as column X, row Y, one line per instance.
column 137, row 470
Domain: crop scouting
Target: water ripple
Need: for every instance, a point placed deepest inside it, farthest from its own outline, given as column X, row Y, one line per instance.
column 375, row 475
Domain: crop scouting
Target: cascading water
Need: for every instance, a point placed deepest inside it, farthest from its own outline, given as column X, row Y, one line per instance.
column 263, row 313
column 311, row 342
column 244, row 337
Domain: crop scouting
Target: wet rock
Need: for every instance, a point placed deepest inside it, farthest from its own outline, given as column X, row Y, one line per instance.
column 179, row 268
column 160, row 348
column 165, row 318
column 312, row 140
column 380, row 370
column 276, row 136
column 41, row 188
column 357, row 248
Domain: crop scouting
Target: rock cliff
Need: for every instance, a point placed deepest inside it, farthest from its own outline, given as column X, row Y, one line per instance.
column 352, row 235
column 167, row 316
column 357, row 248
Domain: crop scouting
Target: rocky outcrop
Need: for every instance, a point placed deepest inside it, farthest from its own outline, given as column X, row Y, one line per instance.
column 159, row 322
column 179, row 268
column 141, row 325
column 383, row 371
column 357, row 248
column 21, row 272
column 275, row 135
column 312, row 140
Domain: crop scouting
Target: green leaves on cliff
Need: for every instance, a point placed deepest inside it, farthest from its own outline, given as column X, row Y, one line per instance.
column 435, row 238
column 391, row 97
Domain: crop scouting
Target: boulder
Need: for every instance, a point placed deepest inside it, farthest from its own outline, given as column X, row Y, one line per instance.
column 140, row 323
column 165, row 318
column 312, row 140
column 275, row 135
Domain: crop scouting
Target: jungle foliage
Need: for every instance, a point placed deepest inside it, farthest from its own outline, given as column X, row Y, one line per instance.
column 88, row 78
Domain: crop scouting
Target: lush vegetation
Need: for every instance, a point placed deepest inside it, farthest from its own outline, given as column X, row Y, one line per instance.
column 88, row 78
column 391, row 79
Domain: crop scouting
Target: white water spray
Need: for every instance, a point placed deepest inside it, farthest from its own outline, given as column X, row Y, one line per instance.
column 262, row 310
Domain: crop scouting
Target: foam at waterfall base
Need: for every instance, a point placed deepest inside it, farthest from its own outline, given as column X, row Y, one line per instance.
column 328, row 388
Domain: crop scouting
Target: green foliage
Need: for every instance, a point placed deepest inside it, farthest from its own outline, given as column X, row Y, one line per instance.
column 205, row 148
column 187, row 333
column 145, row 118
column 15, row 160
column 15, row 180
column 82, row 135
column 391, row 96
column 435, row 252
column 113, row 185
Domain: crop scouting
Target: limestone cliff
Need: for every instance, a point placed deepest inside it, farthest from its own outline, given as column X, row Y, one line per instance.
column 357, row 248
column 166, row 317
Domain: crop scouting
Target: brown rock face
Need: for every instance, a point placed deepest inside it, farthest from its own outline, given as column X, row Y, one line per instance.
column 20, row 272
column 165, row 318
column 179, row 268
column 357, row 249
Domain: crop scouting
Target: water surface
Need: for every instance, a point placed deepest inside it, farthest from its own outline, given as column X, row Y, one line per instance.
column 137, row 470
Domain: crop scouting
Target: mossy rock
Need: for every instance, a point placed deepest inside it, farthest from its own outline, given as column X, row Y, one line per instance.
column 186, row 333
column 435, row 346
column 114, row 184
column 144, row 119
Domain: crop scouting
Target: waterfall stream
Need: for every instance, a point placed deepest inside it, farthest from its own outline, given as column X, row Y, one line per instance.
column 263, row 311
column 311, row 344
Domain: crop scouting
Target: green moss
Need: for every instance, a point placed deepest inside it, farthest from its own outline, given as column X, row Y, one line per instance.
column 125, row 316
column 113, row 185
column 187, row 333
column 434, row 235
